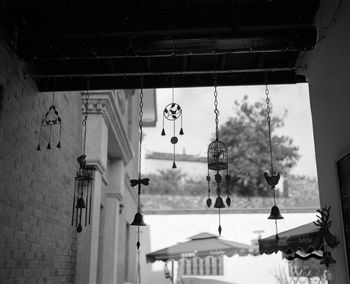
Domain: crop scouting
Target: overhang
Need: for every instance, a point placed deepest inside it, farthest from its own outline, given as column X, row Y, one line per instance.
column 114, row 43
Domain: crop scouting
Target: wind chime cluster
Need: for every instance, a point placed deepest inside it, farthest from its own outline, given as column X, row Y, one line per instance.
column 217, row 158
column 82, row 197
column 50, row 120
column 273, row 178
column 172, row 112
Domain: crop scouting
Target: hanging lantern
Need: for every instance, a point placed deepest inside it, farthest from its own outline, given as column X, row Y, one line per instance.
column 52, row 121
column 272, row 179
column 172, row 112
column 217, row 159
column 82, row 195
column 83, row 182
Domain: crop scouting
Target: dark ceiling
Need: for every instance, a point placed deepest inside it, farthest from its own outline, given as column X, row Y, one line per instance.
column 114, row 42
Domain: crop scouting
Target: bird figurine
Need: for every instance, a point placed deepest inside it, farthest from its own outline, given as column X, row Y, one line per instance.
column 272, row 180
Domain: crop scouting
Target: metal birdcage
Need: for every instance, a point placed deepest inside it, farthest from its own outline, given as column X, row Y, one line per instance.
column 217, row 156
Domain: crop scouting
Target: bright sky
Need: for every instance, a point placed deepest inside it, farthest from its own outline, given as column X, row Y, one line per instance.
column 199, row 125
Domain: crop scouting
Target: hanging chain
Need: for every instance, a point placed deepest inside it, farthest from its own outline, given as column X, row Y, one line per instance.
column 86, row 104
column 268, row 119
column 216, row 111
column 53, row 91
column 140, row 126
column 172, row 92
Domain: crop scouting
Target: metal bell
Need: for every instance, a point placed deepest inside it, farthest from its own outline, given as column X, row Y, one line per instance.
column 81, row 203
column 138, row 220
column 219, row 203
column 275, row 213
column 327, row 259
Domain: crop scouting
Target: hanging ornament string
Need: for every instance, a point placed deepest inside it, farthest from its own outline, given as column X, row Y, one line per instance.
column 268, row 119
column 86, row 106
column 272, row 179
column 172, row 112
column 217, row 160
column 84, row 177
column 216, row 111
column 138, row 220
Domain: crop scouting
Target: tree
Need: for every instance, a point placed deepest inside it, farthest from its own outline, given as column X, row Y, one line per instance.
column 166, row 182
column 246, row 136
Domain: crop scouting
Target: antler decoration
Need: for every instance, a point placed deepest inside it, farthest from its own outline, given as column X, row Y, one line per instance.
column 324, row 223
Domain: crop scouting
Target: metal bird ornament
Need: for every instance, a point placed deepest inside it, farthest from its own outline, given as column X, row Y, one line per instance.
column 272, row 180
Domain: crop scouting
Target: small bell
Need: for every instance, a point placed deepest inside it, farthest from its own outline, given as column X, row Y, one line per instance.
column 48, row 146
column 174, row 165
column 138, row 220
column 277, row 238
column 38, row 148
column 81, row 203
column 209, row 202
column 327, row 259
column 275, row 213
column 181, row 131
column 219, row 203
column 228, row 201
column 59, row 145
column 163, row 132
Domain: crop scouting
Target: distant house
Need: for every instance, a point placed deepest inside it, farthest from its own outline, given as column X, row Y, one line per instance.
column 190, row 164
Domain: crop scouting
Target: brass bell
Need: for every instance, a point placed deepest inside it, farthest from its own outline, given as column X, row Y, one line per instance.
column 327, row 259
column 138, row 220
column 219, row 203
column 275, row 213
column 81, row 203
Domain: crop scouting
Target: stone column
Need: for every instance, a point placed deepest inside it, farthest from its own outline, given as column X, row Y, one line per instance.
column 116, row 176
column 88, row 239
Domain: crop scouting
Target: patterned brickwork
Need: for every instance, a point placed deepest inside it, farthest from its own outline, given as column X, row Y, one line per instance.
column 37, row 242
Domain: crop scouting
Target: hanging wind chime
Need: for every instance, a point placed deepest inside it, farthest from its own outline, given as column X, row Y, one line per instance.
column 138, row 219
column 217, row 158
column 172, row 112
column 52, row 120
column 272, row 179
column 83, row 181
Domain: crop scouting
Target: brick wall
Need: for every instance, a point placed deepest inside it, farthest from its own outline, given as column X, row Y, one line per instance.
column 37, row 242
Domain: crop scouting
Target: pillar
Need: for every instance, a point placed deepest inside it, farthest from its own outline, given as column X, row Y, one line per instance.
column 115, row 188
column 88, row 239
column 328, row 73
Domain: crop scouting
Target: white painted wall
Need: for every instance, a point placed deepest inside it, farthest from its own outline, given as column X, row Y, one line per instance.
column 328, row 72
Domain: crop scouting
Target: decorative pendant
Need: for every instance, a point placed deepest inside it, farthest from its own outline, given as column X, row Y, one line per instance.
column 217, row 158
column 52, row 120
column 172, row 112
column 271, row 179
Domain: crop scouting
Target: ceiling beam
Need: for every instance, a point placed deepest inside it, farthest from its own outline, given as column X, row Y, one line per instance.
column 167, row 73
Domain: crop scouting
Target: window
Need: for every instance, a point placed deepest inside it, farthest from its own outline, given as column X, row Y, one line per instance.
column 206, row 266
